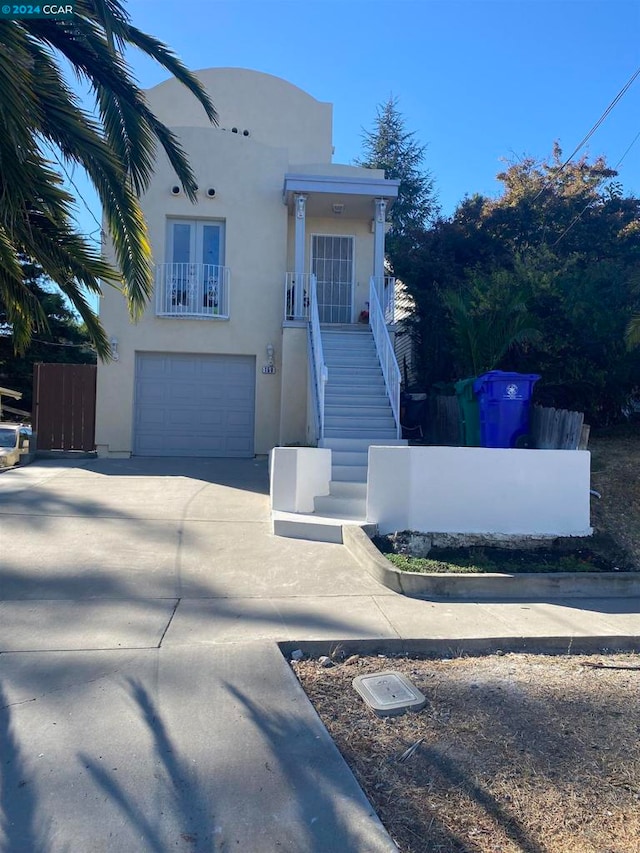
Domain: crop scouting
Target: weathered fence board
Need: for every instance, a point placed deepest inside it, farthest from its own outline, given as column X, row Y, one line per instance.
column 444, row 421
column 556, row 429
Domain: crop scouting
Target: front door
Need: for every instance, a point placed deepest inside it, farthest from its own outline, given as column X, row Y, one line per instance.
column 332, row 265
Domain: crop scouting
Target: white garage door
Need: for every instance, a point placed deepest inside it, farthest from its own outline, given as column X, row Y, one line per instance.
column 194, row 405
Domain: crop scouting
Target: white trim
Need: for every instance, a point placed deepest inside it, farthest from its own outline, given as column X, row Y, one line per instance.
column 339, row 185
column 352, row 237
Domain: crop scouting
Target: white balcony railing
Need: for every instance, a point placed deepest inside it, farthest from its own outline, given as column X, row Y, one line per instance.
column 384, row 347
column 386, row 291
column 192, row 290
column 297, row 294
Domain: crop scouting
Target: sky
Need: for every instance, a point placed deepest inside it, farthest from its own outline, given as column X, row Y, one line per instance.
column 480, row 82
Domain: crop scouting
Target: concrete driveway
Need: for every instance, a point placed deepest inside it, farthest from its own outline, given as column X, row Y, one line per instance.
column 141, row 708
column 144, row 703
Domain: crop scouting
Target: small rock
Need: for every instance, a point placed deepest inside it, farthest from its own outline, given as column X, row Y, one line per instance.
column 298, row 654
column 351, row 660
column 323, row 660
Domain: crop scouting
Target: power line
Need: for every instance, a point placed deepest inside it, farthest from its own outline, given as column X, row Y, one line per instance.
column 86, row 345
column 79, row 194
column 588, row 204
column 602, row 118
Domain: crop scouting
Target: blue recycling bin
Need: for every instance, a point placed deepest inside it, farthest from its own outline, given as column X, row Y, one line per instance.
column 504, row 400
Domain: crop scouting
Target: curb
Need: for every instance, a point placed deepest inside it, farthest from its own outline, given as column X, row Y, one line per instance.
column 487, row 587
column 464, row 647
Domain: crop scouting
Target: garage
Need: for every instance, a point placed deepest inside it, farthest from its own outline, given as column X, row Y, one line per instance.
column 194, row 405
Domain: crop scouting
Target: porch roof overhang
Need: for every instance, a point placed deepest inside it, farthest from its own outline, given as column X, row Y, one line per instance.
column 324, row 191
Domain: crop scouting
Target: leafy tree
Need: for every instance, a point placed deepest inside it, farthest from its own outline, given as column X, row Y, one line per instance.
column 487, row 328
column 42, row 125
column 561, row 239
column 391, row 147
column 64, row 339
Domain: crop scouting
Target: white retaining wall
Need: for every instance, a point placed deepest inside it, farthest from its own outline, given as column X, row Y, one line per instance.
column 479, row 490
column 297, row 475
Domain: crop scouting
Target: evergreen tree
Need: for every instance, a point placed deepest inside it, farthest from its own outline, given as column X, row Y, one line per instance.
column 391, row 147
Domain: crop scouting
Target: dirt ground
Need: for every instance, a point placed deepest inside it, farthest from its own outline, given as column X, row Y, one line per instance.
column 615, row 474
column 515, row 754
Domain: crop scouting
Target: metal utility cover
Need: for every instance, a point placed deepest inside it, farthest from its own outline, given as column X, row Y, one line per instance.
column 389, row 693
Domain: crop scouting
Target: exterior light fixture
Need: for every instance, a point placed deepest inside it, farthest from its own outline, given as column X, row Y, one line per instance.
column 114, row 349
column 338, row 209
column 269, row 366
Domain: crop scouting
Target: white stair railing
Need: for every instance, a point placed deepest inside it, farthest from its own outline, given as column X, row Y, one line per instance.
column 388, row 361
column 320, row 372
column 386, row 290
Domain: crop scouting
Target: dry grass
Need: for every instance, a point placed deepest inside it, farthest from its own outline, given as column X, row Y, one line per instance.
column 520, row 753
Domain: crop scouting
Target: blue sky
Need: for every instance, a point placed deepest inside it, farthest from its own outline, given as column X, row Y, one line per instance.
column 478, row 81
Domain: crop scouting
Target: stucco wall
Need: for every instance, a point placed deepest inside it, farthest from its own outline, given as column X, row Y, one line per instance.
column 287, row 128
column 276, row 113
column 248, row 199
column 479, row 490
column 293, row 403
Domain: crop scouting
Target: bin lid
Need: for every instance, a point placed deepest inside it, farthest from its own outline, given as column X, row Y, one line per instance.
column 465, row 387
column 486, row 381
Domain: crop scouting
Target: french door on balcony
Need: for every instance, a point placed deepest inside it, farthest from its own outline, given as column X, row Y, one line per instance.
column 332, row 264
column 195, row 250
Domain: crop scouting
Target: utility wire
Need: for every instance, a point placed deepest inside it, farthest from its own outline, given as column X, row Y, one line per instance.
column 578, row 216
column 604, row 115
column 79, row 194
column 86, row 345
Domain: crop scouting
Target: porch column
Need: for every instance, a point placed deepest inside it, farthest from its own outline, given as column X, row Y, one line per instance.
column 300, row 201
column 378, row 240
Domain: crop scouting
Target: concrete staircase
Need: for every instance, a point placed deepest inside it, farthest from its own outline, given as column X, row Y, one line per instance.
column 357, row 415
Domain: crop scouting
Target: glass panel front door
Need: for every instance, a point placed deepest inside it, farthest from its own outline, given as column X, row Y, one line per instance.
column 196, row 258
column 332, row 265
column 196, row 243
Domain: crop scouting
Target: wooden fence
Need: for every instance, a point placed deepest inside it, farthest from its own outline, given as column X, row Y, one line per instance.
column 558, row 429
column 551, row 429
column 64, row 406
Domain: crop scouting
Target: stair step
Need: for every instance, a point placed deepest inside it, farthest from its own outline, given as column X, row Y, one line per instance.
column 314, row 528
column 349, row 473
column 360, row 400
column 360, row 443
column 354, row 362
column 348, row 489
column 379, row 436
column 343, row 507
column 344, row 382
column 379, row 409
column 340, row 394
column 349, row 457
column 349, row 345
column 372, row 423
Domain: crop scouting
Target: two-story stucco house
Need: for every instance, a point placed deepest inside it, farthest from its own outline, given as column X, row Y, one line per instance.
column 252, row 339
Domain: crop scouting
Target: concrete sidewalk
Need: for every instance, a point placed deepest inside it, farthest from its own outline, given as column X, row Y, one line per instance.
column 146, row 704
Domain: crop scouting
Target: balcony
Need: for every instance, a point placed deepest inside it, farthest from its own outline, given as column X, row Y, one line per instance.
column 199, row 291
